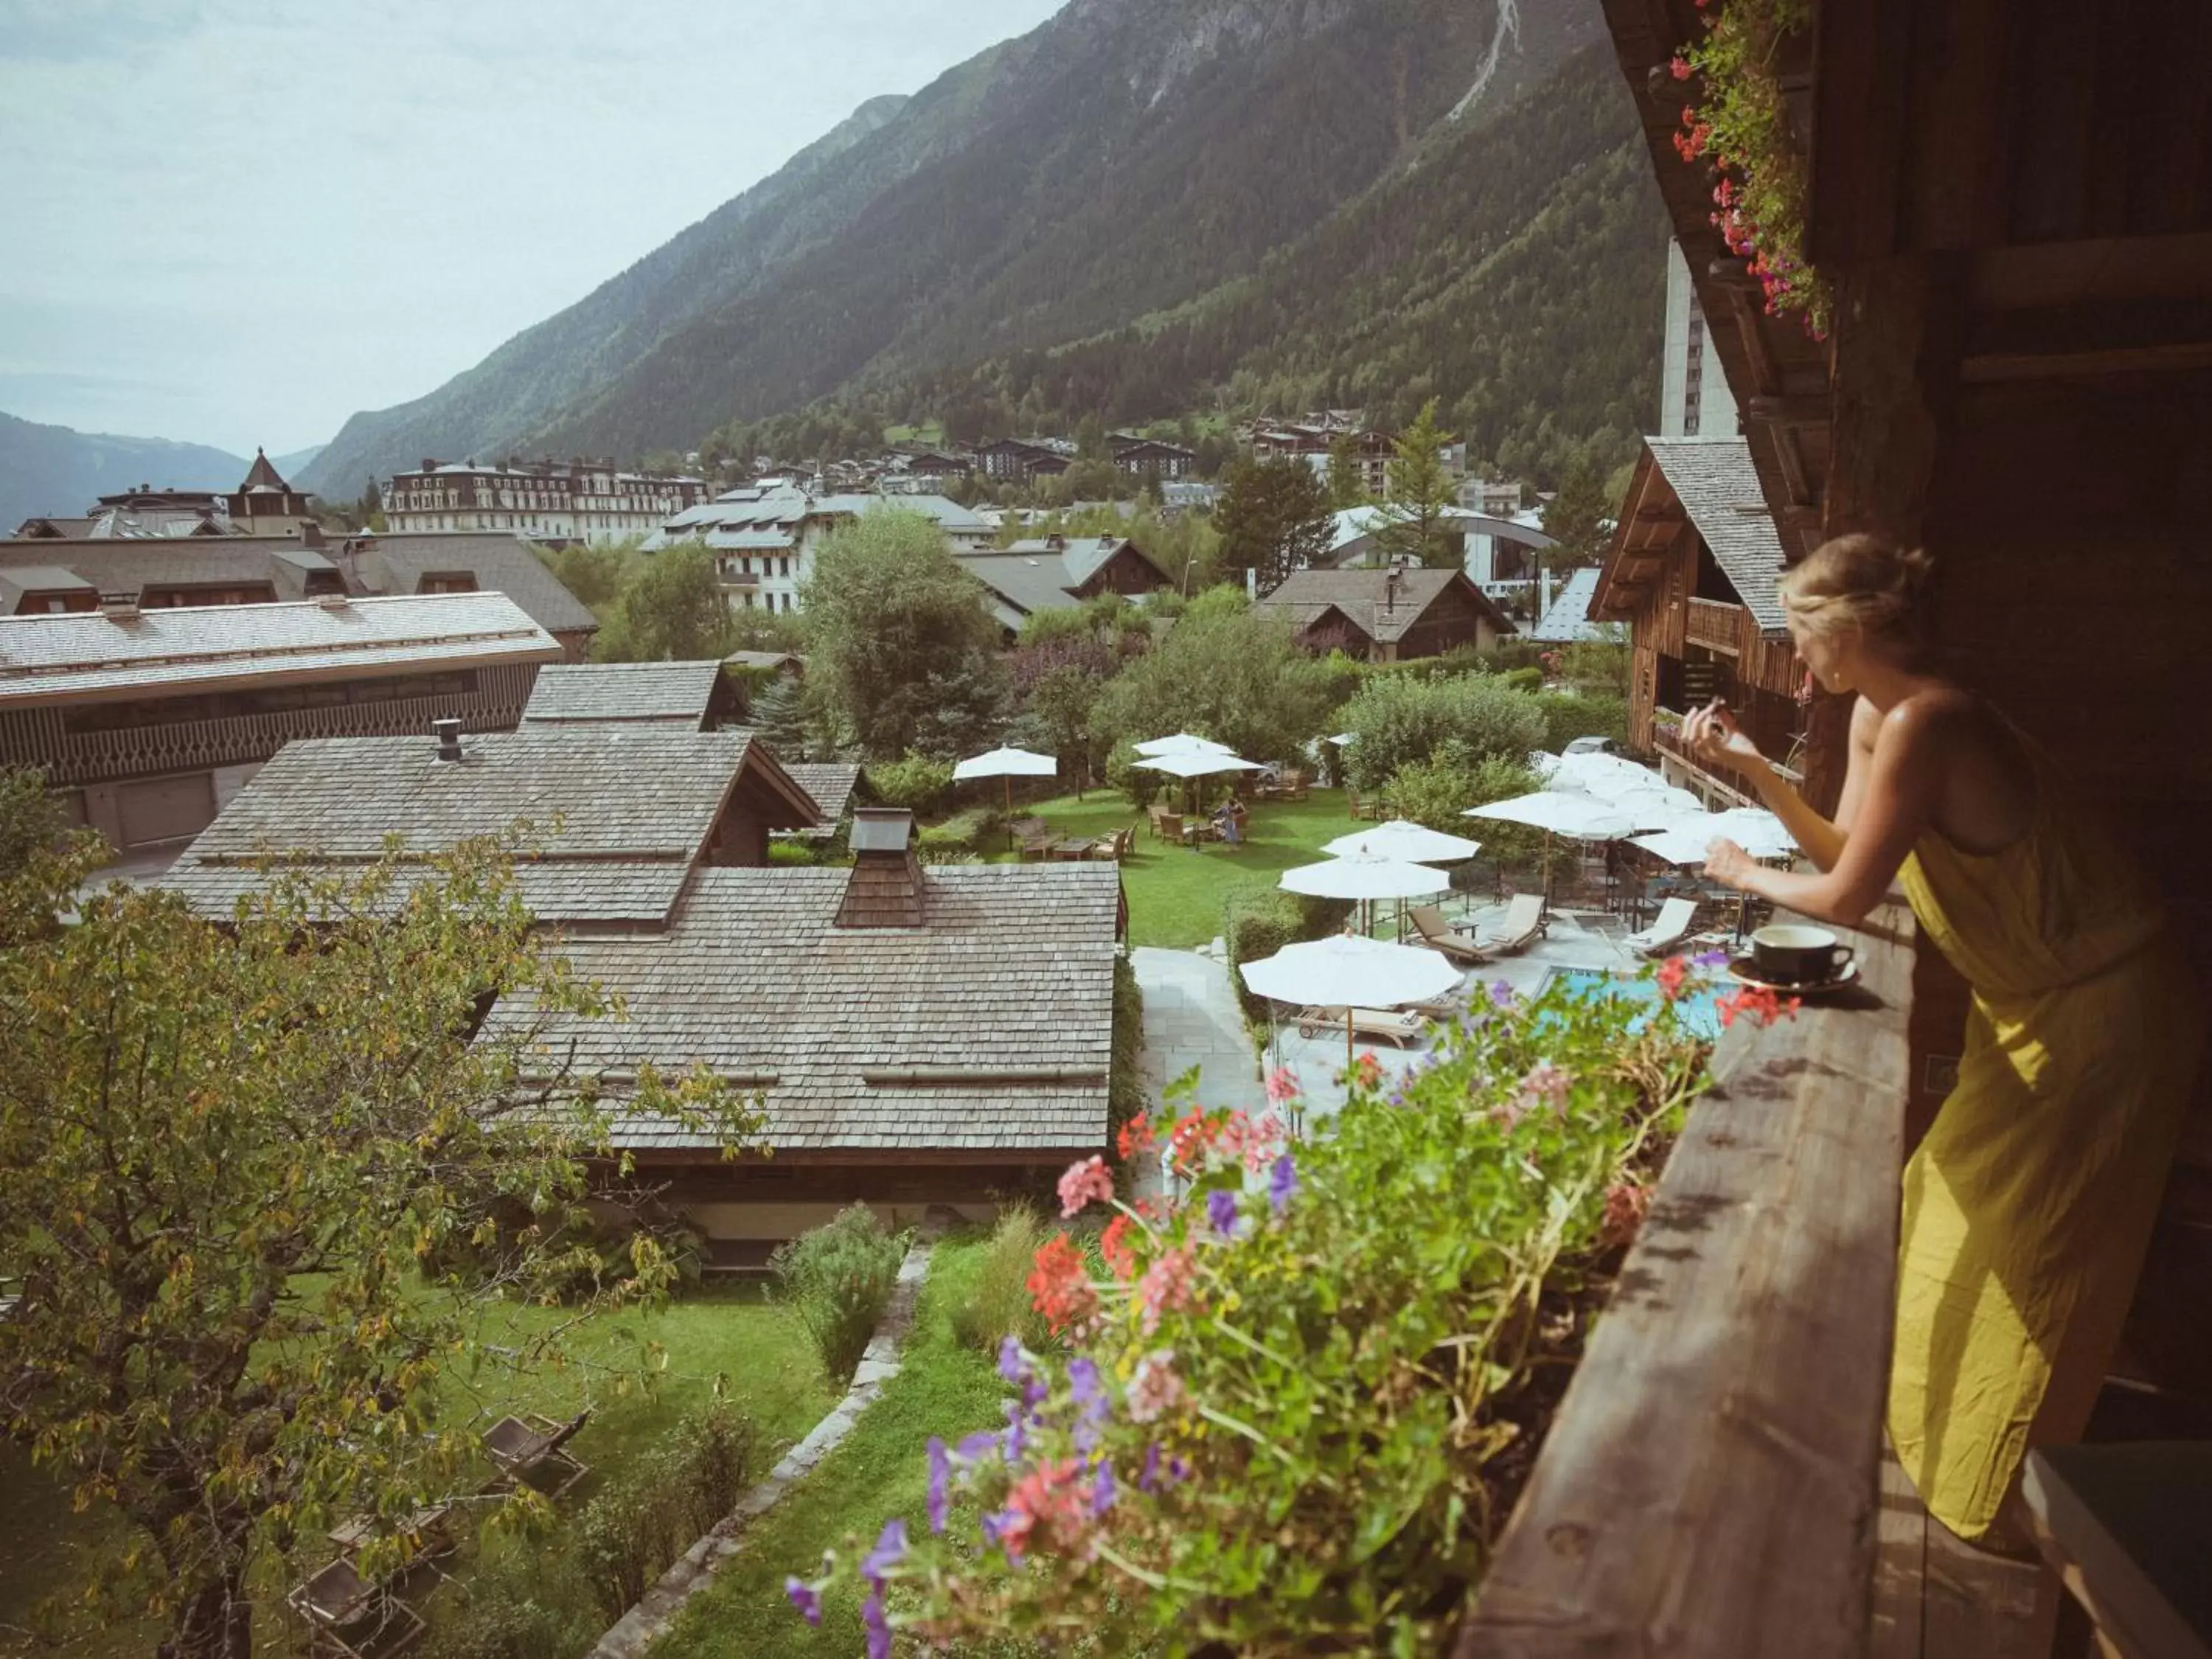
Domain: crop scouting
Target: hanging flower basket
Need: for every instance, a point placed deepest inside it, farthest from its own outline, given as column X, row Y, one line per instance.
column 1740, row 130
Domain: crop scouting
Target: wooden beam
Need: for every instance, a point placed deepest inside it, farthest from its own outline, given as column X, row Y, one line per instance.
column 1709, row 1485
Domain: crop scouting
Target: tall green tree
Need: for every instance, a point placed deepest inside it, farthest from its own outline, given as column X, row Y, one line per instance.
column 1415, row 522
column 1224, row 671
column 900, row 644
column 779, row 714
column 238, row 1157
column 1579, row 517
column 1346, row 488
column 1272, row 519
column 673, row 610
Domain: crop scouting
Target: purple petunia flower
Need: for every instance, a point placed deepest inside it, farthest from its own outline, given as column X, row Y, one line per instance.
column 1501, row 994
column 1221, row 1211
column 1102, row 1490
column 1149, row 1476
column 1090, row 1391
column 940, row 1479
column 1015, row 1439
column 1178, row 1470
column 1283, row 1182
column 1710, row 959
column 890, row 1551
column 878, row 1628
column 1014, row 1364
column 804, row 1598
column 976, row 1447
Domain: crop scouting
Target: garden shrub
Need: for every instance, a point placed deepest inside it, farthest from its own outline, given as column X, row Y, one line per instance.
column 1585, row 715
column 918, row 783
column 662, row 1502
column 1468, row 720
column 520, row 1603
column 1257, row 922
column 1299, row 1403
column 1139, row 783
column 964, row 832
column 998, row 1303
column 1523, row 680
column 1437, row 792
column 786, row 854
column 1124, row 1081
column 839, row 1278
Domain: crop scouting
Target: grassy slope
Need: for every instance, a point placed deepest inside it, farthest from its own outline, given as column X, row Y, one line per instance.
column 1175, row 893
column 759, row 1347
column 877, row 1472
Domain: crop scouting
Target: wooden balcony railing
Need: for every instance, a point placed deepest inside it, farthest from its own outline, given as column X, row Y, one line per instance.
column 1714, row 625
column 1717, row 789
column 1711, row 1482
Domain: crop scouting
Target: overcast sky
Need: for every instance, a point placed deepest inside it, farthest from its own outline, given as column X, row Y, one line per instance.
column 236, row 221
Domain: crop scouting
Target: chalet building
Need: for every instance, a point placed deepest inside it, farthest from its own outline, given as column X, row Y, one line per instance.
column 1692, row 571
column 1055, row 573
column 1010, row 460
column 683, row 696
column 1312, row 439
column 262, row 505
column 1148, row 458
column 917, row 1035
column 639, row 812
column 147, row 722
column 1499, row 555
column 459, row 562
column 1387, row 615
column 765, row 536
column 550, row 501
column 833, row 785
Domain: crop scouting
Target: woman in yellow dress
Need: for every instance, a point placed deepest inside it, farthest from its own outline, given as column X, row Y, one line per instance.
column 2029, row 1205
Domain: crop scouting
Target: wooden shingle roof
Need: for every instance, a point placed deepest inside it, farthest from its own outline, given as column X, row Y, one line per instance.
column 1363, row 598
column 989, row 1030
column 499, row 562
column 675, row 694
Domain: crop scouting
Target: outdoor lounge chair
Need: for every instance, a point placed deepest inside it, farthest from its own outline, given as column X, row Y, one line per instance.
column 1429, row 922
column 520, row 1446
column 349, row 1615
column 1114, row 847
column 1522, row 925
column 1169, row 826
column 1667, row 930
column 1034, row 837
column 1383, row 1023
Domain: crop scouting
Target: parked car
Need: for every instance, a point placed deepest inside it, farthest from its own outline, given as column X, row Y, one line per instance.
column 1594, row 746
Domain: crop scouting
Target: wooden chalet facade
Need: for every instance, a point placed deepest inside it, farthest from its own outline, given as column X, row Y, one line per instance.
column 1010, row 460
column 148, row 722
column 2013, row 207
column 1393, row 614
column 1691, row 571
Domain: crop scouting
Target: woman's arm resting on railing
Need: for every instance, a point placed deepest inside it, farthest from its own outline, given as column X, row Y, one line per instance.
column 1896, row 795
column 1713, row 736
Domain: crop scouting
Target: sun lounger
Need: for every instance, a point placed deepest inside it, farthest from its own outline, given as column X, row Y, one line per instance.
column 1385, row 1024
column 1667, row 930
column 521, row 1446
column 349, row 1615
column 1522, row 925
column 1429, row 922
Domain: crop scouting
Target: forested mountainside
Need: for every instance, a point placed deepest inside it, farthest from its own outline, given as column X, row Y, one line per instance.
column 51, row 472
column 1515, row 273
column 1126, row 158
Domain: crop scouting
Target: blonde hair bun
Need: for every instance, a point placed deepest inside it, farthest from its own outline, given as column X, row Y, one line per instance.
column 1858, row 581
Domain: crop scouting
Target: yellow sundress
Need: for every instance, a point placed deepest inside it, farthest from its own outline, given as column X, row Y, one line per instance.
column 2028, row 1206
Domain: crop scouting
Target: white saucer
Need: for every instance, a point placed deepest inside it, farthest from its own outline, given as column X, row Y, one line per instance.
column 1739, row 971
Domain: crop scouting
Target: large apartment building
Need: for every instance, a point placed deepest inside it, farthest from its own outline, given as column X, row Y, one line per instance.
column 547, row 502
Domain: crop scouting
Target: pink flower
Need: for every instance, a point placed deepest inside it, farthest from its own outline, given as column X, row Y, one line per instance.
column 1114, row 1245
column 1282, row 1085
column 1059, row 1284
column 1626, row 1204
column 1681, row 67
column 1166, row 1287
column 1671, row 975
column 1051, row 1498
column 1507, row 1115
column 1156, row 1389
column 1082, row 1183
column 1546, row 1085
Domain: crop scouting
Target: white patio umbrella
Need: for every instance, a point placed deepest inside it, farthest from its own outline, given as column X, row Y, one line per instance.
column 1364, row 877
column 1755, row 829
column 1660, row 806
column 1600, row 774
column 1188, row 763
column 1679, row 846
column 1347, row 970
column 1007, row 764
column 1556, row 813
column 1416, row 843
column 1181, row 743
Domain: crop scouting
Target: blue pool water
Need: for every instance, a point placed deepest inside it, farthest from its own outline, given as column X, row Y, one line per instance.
column 1699, row 1009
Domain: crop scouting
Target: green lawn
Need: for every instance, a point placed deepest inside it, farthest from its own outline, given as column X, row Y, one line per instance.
column 877, row 1472
column 759, row 1347
column 1175, row 893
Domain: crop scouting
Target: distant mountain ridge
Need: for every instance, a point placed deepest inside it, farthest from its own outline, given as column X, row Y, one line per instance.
column 52, row 471
column 1125, row 159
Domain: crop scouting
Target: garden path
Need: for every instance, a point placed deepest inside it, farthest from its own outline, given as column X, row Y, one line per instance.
column 1192, row 1019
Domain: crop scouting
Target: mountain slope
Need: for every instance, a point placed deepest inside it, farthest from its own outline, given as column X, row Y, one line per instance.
column 1515, row 273
column 51, row 472
column 494, row 405
column 1127, row 156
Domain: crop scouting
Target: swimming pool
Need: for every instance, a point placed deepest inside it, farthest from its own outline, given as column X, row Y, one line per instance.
column 1699, row 1009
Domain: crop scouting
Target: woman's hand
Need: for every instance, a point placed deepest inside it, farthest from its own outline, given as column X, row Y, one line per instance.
column 1712, row 734
column 1729, row 865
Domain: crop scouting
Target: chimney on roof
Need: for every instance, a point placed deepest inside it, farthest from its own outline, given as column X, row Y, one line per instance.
column 121, row 608
column 886, row 887
column 1390, row 581
column 429, row 466
column 448, row 732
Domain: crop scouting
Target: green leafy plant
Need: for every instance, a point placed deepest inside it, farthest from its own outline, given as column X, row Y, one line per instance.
column 1741, row 128
column 1468, row 719
column 997, row 1302
column 919, row 783
column 1297, row 1406
column 628, row 1535
column 839, row 1278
